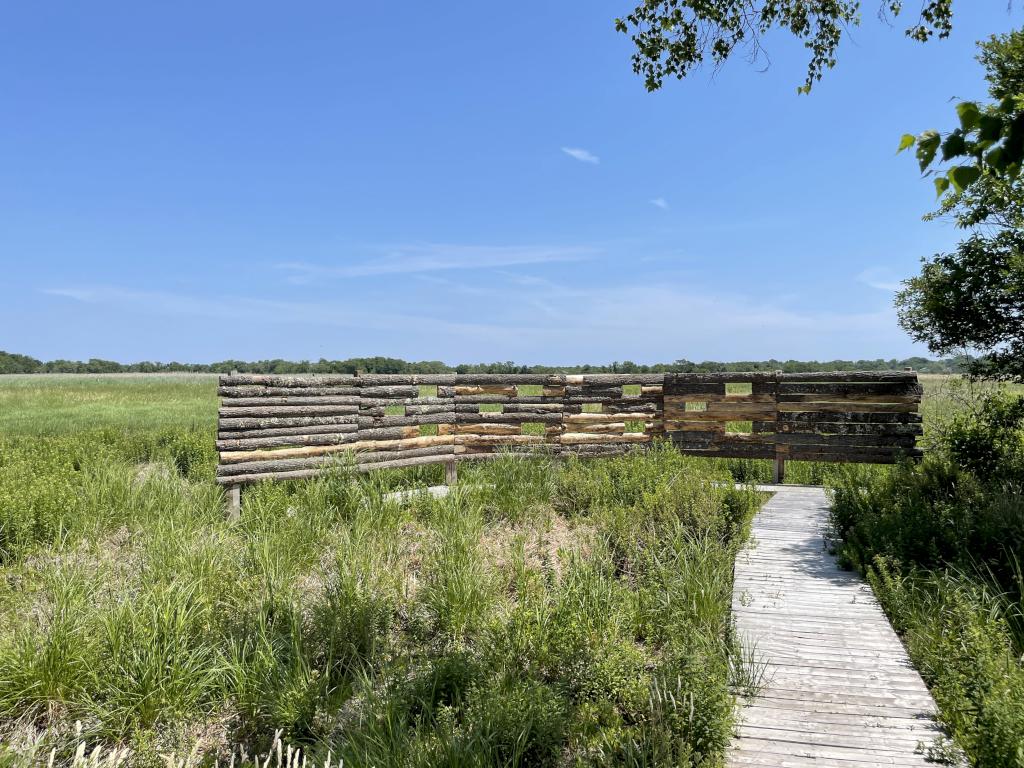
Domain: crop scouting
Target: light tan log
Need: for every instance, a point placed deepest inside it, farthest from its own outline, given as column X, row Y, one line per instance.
column 577, row 438
column 230, row 457
column 497, row 439
column 553, row 391
column 483, row 429
column 492, row 389
column 292, row 440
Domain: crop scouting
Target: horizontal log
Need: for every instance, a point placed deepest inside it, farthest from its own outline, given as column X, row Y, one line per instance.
column 302, row 474
column 861, row 376
column 325, row 429
column 849, row 397
column 497, row 439
column 494, row 389
column 281, row 465
column 368, row 403
column 694, row 426
column 277, row 380
column 735, row 377
column 614, row 379
column 225, row 424
column 405, row 379
column 795, row 439
column 505, row 400
column 376, row 457
column 603, row 393
column 625, row 406
column 849, row 407
column 424, row 410
column 262, row 391
column 846, row 428
column 616, row 427
column 266, row 402
column 287, row 411
column 245, row 444
column 692, row 390
column 846, row 456
column 651, row 390
column 726, row 451
column 575, row 438
column 680, row 400
column 881, row 418
column 512, row 408
column 376, row 444
column 847, row 389
column 508, row 418
column 482, row 429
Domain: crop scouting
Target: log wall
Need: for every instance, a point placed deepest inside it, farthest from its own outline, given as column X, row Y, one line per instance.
column 281, row 427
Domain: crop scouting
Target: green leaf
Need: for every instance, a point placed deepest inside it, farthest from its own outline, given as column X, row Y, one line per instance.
column 963, row 176
column 906, row 142
column 990, row 127
column 941, row 185
column 953, row 146
column 969, row 114
column 927, row 146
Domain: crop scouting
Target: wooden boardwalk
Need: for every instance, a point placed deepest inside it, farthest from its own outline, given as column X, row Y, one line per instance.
column 839, row 689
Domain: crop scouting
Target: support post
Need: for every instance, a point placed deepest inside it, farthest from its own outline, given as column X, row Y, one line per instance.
column 779, row 471
column 234, row 508
column 451, row 472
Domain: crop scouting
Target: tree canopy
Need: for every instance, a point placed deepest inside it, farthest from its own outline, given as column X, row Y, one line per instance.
column 674, row 36
column 973, row 298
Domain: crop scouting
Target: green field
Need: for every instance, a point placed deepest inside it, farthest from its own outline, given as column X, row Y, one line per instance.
column 543, row 614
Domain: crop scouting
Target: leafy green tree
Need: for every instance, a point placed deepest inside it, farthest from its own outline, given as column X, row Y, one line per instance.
column 973, row 298
column 674, row 36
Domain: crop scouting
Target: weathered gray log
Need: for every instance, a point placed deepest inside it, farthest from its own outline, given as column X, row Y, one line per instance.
column 288, row 411
column 242, row 444
column 506, row 400
column 880, row 418
column 393, row 380
column 515, row 407
column 266, row 402
column 302, row 474
column 262, row 391
column 846, row 428
column 226, row 424
column 375, row 457
column 844, row 376
column 276, row 380
column 737, row 377
column 281, row 465
column 508, row 418
column 849, row 397
column 839, row 440
column 325, row 429
column 614, row 379
column 847, row 389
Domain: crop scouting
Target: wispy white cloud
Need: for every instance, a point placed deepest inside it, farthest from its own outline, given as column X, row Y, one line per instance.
column 660, row 202
column 436, row 257
column 882, row 278
column 583, row 155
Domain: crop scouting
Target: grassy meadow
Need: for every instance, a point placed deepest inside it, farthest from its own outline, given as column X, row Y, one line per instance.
column 542, row 614
column 545, row 613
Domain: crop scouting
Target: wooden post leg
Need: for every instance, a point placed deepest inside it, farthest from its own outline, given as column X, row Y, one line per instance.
column 451, row 473
column 779, row 472
column 234, row 509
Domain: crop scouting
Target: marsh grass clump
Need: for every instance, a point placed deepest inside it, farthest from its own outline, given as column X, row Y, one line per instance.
column 544, row 612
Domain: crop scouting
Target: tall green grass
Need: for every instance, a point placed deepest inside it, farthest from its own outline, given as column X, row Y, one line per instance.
column 543, row 613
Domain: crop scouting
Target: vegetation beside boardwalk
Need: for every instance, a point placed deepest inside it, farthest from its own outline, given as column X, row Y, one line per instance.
column 942, row 543
column 545, row 614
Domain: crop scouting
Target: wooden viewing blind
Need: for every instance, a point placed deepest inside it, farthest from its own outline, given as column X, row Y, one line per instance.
column 275, row 427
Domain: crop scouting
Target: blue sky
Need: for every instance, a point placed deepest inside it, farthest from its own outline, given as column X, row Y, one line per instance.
column 458, row 181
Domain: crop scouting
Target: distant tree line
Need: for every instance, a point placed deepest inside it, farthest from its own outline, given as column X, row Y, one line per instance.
column 12, row 363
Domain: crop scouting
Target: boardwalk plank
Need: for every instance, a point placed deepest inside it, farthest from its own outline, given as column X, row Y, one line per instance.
column 839, row 688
